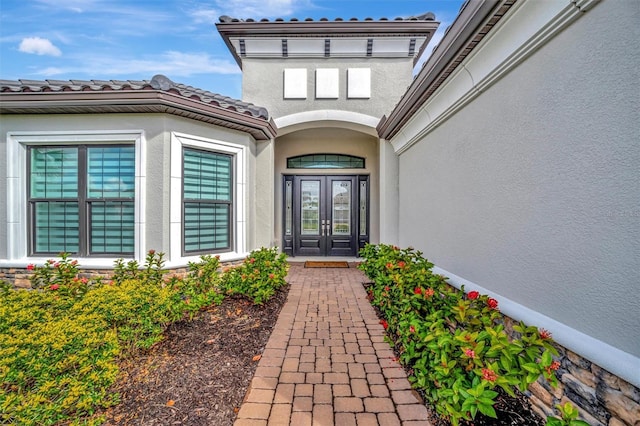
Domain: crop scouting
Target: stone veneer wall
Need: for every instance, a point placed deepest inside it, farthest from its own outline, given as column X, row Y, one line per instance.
column 602, row 398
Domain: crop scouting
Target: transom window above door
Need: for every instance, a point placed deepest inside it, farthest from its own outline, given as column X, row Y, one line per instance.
column 325, row 161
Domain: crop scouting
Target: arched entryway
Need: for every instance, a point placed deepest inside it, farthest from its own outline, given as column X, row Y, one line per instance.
column 326, row 180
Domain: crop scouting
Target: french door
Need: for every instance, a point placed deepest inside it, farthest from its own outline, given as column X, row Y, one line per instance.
column 325, row 215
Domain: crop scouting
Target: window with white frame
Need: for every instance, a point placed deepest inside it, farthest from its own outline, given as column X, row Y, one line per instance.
column 80, row 192
column 208, row 187
column 81, row 199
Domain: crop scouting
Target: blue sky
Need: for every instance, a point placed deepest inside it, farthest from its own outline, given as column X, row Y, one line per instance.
column 134, row 40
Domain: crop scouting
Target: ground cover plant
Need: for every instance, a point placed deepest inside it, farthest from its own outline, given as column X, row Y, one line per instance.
column 453, row 343
column 60, row 344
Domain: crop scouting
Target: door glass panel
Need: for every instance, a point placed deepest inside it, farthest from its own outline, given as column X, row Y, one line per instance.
column 341, row 207
column 289, row 205
column 310, row 210
column 363, row 208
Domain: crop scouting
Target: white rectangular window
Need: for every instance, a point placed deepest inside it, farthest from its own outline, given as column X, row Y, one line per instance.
column 295, row 83
column 359, row 83
column 327, row 83
column 208, row 198
column 81, row 192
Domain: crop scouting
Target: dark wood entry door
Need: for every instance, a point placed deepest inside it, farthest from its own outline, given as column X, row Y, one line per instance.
column 325, row 215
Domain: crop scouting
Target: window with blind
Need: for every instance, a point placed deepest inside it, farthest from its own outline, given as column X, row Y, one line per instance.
column 207, row 201
column 81, row 200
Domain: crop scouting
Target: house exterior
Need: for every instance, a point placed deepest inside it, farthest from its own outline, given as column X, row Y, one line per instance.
column 510, row 160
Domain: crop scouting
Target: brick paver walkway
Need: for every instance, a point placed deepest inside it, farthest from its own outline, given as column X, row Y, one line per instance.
column 326, row 362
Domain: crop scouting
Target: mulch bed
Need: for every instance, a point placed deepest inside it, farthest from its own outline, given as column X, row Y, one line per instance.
column 200, row 373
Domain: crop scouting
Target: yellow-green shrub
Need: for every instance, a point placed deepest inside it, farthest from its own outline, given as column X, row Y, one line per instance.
column 60, row 344
column 53, row 364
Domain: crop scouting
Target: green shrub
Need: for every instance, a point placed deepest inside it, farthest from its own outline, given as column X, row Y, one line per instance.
column 258, row 277
column 60, row 344
column 569, row 417
column 454, row 344
column 54, row 364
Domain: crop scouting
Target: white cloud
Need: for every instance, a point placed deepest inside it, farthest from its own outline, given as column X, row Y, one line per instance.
column 78, row 6
column 205, row 16
column 171, row 63
column 244, row 9
column 39, row 46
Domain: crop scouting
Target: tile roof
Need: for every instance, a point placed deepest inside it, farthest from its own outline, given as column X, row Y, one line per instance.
column 158, row 95
column 158, row 82
column 424, row 17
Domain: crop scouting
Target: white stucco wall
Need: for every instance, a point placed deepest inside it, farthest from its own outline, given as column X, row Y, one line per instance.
column 532, row 189
column 156, row 130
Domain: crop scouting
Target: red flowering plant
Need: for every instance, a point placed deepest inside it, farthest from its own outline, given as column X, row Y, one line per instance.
column 455, row 344
column 61, row 276
column 258, row 277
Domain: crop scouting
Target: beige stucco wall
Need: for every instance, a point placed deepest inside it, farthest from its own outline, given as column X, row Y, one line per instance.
column 532, row 190
column 157, row 130
column 263, row 84
column 327, row 140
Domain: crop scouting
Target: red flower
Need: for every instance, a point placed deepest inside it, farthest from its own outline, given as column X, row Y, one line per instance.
column 74, row 262
column 217, row 256
column 470, row 353
column 84, row 280
column 389, row 265
column 56, row 265
column 152, row 252
column 429, row 292
column 553, row 367
column 401, row 264
column 31, row 267
column 412, row 329
column 473, row 295
column 545, row 334
column 54, row 287
column 384, row 324
column 489, row 375
column 252, row 260
column 386, row 288
column 492, row 303
column 272, row 276
column 417, row 290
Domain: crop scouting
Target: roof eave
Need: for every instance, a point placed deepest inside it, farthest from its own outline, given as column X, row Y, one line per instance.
column 324, row 29
column 471, row 19
column 134, row 102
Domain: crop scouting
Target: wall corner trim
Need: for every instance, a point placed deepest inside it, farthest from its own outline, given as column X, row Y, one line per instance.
column 528, row 26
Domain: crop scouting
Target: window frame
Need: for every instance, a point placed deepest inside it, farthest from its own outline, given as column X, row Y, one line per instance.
column 229, row 204
column 18, row 218
column 240, row 155
column 83, row 200
column 291, row 161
